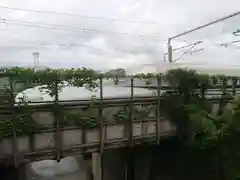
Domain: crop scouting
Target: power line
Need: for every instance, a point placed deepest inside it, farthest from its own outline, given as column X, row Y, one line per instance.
column 205, row 25
column 194, row 51
column 76, row 15
column 32, row 44
column 182, row 47
column 70, row 28
column 195, row 29
column 184, row 53
column 232, row 42
column 237, row 32
column 48, row 43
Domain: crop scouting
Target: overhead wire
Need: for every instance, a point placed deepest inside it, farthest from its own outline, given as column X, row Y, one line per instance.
column 183, row 47
column 75, row 29
column 184, row 53
column 194, row 51
column 81, row 16
column 71, row 28
column 228, row 43
column 49, row 44
column 237, row 32
column 95, row 50
column 76, row 15
column 201, row 49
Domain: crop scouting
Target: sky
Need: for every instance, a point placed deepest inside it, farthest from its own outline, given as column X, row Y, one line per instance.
column 110, row 34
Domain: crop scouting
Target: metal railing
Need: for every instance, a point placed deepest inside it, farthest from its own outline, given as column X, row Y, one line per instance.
column 13, row 110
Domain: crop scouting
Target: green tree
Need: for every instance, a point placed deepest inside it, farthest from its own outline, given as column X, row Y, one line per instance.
column 209, row 145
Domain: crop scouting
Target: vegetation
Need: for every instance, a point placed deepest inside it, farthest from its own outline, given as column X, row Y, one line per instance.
column 52, row 81
column 209, row 146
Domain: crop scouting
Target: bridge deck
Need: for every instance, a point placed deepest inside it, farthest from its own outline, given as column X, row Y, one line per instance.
column 58, row 140
column 75, row 140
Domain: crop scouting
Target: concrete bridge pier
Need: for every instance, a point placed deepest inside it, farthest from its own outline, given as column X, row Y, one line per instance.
column 129, row 164
column 97, row 166
column 142, row 163
column 123, row 164
column 111, row 166
column 11, row 172
column 136, row 163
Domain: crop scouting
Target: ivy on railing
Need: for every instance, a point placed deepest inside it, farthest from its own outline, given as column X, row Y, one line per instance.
column 53, row 81
column 24, row 123
column 138, row 113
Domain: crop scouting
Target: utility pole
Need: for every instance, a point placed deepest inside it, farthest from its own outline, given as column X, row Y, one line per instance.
column 169, row 50
column 36, row 59
column 195, row 29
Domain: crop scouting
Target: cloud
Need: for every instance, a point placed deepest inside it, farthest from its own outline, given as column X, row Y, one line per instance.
column 95, row 49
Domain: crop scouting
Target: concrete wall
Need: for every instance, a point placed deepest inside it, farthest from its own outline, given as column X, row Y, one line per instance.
column 149, row 163
column 74, row 137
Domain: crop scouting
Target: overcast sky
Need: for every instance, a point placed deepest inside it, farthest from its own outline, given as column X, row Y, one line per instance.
column 106, row 43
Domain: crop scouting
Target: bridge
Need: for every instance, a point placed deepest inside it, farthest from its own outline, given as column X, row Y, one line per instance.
column 59, row 135
column 58, row 141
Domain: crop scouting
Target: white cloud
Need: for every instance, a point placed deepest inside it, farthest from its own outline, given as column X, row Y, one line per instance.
column 105, row 50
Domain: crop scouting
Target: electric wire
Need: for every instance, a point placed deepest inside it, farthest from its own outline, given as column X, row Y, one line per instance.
column 76, row 15
column 70, row 28
column 184, row 53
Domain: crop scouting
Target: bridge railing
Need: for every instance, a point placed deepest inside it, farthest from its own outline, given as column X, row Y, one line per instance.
column 54, row 129
column 65, row 138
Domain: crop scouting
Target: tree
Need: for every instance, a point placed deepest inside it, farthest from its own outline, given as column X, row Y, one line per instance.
column 208, row 141
column 116, row 72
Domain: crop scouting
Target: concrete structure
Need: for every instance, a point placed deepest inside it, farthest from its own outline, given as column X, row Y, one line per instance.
column 72, row 140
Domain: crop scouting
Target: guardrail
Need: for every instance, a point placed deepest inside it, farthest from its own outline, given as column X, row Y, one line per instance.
column 58, row 139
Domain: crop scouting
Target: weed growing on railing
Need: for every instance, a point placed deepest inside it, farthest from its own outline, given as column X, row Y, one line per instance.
column 211, row 137
column 23, row 122
column 87, row 118
column 122, row 114
column 84, row 119
column 53, row 80
column 199, row 130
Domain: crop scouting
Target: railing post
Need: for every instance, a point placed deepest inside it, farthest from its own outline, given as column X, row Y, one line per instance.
column 234, row 83
column 57, row 119
column 97, row 166
column 101, row 127
column 129, row 165
column 202, row 91
column 130, row 123
column 14, row 134
column 159, row 83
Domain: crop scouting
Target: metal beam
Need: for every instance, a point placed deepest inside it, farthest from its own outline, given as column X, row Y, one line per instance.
column 237, row 32
column 182, row 47
column 205, row 25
